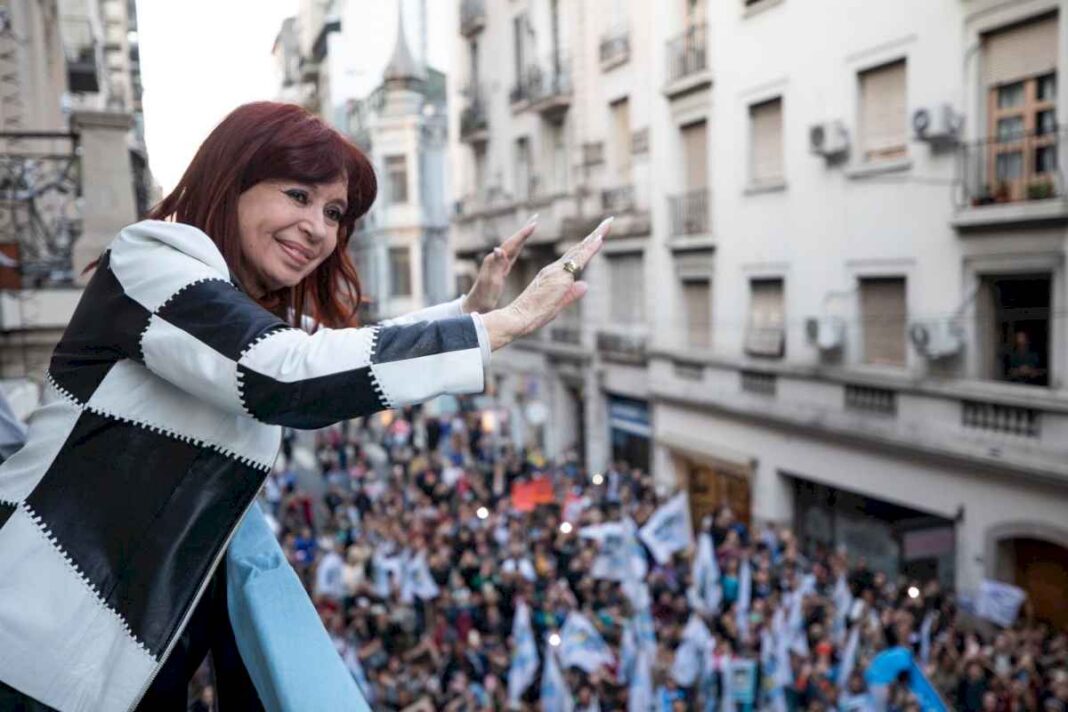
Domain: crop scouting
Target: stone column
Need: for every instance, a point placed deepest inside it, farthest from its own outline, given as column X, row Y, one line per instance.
column 107, row 183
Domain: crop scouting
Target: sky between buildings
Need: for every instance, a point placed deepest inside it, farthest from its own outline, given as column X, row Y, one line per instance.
column 202, row 58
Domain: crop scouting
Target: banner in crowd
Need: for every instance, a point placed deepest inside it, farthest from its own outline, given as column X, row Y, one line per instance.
column 524, row 665
column 706, row 593
column 418, row 582
column 693, row 652
column 526, row 496
column 555, row 697
column 640, row 695
column 620, row 556
column 582, row 646
column 999, row 602
column 668, row 530
column 889, row 664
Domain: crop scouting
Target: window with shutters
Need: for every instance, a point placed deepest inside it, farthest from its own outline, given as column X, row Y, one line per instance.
column 883, row 315
column 1020, row 73
column 397, row 172
column 766, row 332
column 765, row 131
column 621, row 155
column 695, row 154
column 400, row 272
column 883, row 112
column 627, row 289
column 697, row 300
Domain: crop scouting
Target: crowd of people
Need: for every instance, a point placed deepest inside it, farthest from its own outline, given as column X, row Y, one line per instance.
column 436, row 492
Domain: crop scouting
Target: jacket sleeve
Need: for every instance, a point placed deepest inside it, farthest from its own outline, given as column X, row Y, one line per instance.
column 187, row 322
column 445, row 310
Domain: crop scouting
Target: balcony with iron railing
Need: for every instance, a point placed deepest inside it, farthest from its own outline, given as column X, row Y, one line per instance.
column 687, row 62
column 545, row 88
column 690, row 213
column 615, row 48
column 619, row 199
column 474, row 117
column 472, row 17
column 1013, row 179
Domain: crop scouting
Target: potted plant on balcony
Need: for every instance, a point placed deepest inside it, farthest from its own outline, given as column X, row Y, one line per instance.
column 984, row 197
column 1003, row 192
column 1040, row 189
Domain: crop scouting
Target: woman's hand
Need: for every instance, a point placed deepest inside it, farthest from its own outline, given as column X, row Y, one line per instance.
column 551, row 291
column 489, row 284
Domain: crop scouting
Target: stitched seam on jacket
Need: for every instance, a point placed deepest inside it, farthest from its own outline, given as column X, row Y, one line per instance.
column 380, row 390
column 162, row 430
column 240, row 377
column 42, row 530
column 190, row 285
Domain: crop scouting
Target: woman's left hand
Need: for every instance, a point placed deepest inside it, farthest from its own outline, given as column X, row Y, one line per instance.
column 489, row 284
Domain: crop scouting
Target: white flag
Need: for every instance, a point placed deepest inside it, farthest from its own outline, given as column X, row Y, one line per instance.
column 925, row 637
column 525, row 658
column 999, row 602
column 620, row 554
column 843, row 601
column 582, row 646
column 849, row 657
column 388, row 570
column 668, row 530
column 706, row 593
column 640, row 697
column 694, row 648
column 418, row 583
column 555, row 697
column 745, row 595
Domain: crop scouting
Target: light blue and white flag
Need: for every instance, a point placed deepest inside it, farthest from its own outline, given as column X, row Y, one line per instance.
column 388, row 571
column 524, row 665
column 640, row 695
column 693, row 652
column 889, row 664
column 999, row 602
column 669, row 530
column 555, row 697
column 925, row 637
column 706, row 593
column 745, row 596
column 417, row 582
column 843, row 601
column 849, row 657
column 620, row 555
column 582, row 646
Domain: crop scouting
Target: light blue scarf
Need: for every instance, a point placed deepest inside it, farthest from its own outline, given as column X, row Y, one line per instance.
column 289, row 656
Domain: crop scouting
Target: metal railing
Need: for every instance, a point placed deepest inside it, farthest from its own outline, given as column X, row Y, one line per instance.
column 618, row 199
column 40, row 187
column 472, row 16
column 474, row 117
column 688, row 53
column 689, row 212
column 615, row 47
column 547, row 80
column 622, row 347
column 1011, row 168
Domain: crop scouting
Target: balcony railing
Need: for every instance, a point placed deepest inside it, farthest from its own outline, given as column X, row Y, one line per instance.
column 472, row 17
column 543, row 82
column 474, row 118
column 619, row 199
column 687, row 54
column 1001, row 419
column 622, row 347
column 1011, row 168
column 689, row 213
column 615, row 48
column 40, row 187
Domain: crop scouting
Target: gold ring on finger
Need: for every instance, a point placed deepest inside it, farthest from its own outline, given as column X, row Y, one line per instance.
column 573, row 268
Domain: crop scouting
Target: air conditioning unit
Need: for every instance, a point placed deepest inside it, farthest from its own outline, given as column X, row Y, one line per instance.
column 937, row 340
column 827, row 333
column 829, row 139
column 938, row 125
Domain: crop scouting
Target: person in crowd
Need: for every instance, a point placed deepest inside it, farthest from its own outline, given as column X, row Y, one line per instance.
column 230, row 314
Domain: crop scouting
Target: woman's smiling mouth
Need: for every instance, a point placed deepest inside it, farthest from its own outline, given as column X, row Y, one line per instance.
column 299, row 255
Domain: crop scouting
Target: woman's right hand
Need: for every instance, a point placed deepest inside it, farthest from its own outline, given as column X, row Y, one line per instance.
column 551, row 291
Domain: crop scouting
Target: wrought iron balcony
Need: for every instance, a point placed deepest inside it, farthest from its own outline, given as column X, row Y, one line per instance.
column 40, row 184
column 622, row 347
column 687, row 54
column 1011, row 168
column 472, row 17
column 689, row 213
column 615, row 48
column 474, row 118
column 547, row 87
column 619, row 199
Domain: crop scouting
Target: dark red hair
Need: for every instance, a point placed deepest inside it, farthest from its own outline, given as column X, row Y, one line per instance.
column 263, row 141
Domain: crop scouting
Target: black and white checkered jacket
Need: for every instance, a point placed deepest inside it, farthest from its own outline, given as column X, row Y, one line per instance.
column 161, row 418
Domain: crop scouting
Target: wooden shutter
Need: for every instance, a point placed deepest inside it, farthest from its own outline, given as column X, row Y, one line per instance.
column 627, row 285
column 767, row 319
column 883, row 111
column 697, row 299
column 766, row 139
column 621, row 139
column 1020, row 52
column 883, row 313
column 695, row 155
column 400, row 271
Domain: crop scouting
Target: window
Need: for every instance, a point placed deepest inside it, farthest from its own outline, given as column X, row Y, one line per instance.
column 522, row 169
column 400, row 272
column 882, row 315
column 883, row 112
column 1020, row 64
column 397, row 172
column 695, row 154
column 765, row 130
column 627, row 289
column 1014, row 327
column 620, row 111
column 766, row 333
column 697, row 301
column 518, row 39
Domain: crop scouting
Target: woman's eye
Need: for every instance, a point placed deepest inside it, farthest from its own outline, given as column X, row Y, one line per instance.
column 334, row 214
column 298, row 195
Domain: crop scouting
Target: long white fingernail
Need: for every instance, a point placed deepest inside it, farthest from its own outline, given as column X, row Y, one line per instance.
column 533, row 219
column 604, row 224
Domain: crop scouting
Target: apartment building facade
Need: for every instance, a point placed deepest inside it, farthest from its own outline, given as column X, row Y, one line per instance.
column 836, row 297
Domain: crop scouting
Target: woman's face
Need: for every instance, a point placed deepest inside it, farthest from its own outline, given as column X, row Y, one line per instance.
column 287, row 229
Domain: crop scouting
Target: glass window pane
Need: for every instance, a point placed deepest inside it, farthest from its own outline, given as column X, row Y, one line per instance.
column 1047, row 87
column 1046, row 122
column 1011, row 95
column 1045, row 159
column 1009, row 166
column 1010, row 128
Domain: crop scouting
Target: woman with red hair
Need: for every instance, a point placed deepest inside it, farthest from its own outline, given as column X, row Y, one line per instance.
column 203, row 331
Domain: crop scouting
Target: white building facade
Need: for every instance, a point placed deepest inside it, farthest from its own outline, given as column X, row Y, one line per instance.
column 836, row 293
